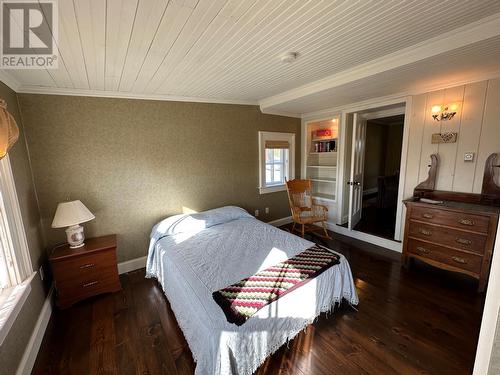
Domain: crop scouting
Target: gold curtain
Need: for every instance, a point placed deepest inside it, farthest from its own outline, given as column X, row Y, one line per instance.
column 277, row 144
column 9, row 132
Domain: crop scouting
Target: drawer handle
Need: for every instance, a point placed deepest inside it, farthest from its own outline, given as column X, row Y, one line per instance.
column 88, row 265
column 428, row 216
column 459, row 260
column 468, row 222
column 86, row 285
column 463, row 241
column 425, row 232
column 423, row 250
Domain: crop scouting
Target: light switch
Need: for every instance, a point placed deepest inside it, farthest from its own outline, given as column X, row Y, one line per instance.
column 469, row 156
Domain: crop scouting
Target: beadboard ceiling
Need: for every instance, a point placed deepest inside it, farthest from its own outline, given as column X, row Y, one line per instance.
column 228, row 50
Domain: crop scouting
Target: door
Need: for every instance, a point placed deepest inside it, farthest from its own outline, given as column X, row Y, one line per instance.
column 357, row 167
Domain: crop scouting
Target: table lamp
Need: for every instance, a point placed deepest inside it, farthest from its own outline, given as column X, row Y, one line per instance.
column 71, row 215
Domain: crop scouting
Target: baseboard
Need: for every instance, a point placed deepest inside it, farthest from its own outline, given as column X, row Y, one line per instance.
column 29, row 356
column 132, row 265
column 280, row 222
column 379, row 241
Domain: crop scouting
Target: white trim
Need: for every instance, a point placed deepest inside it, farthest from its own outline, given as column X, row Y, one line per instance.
column 14, row 217
column 280, row 113
column 399, row 110
column 388, row 99
column 126, row 95
column 375, row 240
column 132, row 265
column 490, row 314
column 406, row 103
column 9, row 80
column 271, row 189
column 15, row 300
column 474, row 32
column 31, row 351
column 362, row 105
column 276, row 136
column 402, row 170
column 280, row 222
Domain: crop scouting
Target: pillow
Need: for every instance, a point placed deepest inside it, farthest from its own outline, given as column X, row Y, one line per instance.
column 184, row 223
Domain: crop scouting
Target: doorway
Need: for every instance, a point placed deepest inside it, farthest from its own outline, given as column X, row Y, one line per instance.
column 382, row 159
column 371, row 195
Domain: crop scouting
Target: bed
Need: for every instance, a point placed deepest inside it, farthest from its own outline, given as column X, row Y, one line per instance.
column 194, row 255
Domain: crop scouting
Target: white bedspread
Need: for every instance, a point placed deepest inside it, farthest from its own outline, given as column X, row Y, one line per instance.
column 192, row 264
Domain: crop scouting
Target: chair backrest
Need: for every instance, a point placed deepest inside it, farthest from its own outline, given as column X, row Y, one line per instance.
column 299, row 194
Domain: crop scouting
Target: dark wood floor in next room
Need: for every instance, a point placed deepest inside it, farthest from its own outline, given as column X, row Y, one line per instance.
column 416, row 321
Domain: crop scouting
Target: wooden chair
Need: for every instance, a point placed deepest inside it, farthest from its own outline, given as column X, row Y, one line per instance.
column 304, row 211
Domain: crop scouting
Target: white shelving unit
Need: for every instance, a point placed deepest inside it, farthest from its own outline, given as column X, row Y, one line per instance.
column 321, row 158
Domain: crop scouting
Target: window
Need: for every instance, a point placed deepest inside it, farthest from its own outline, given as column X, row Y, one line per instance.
column 15, row 262
column 276, row 160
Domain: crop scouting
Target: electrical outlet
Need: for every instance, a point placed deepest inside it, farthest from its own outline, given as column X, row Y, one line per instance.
column 256, row 213
column 40, row 271
column 469, row 156
column 267, row 210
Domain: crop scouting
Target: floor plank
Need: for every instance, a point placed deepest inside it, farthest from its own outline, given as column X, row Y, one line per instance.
column 416, row 321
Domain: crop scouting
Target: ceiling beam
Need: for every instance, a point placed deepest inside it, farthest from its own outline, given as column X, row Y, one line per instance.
column 482, row 29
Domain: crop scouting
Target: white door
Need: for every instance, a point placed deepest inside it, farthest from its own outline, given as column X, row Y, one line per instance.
column 357, row 167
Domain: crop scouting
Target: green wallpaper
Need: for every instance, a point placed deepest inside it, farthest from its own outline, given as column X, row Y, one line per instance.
column 15, row 343
column 133, row 162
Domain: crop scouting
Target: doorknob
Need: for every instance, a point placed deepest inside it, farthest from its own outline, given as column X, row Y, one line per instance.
column 357, row 183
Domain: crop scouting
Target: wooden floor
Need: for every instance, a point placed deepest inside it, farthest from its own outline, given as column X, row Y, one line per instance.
column 420, row 321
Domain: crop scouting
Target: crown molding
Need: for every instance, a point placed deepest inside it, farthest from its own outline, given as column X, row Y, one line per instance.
column 25, row 89
column 9, row 80
column 269, row 111
column 482, row 29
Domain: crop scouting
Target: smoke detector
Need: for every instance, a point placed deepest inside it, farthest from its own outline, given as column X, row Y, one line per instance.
column 289, row 57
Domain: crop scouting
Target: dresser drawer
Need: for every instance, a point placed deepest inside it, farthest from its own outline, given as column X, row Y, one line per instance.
column 85, row 266
column 460, row 220
column 449, row 237
column 458, row 259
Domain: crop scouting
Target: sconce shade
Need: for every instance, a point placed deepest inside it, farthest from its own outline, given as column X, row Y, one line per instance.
column 436, row 109
column 71, row 213
column 9, row 132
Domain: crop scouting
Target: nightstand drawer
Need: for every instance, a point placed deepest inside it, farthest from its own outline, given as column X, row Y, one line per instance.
column 459, row 220
column 449, row 237
column 457, row 259
column 84, row 266
column 90, row 284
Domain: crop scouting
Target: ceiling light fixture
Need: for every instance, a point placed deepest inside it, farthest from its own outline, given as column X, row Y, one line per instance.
column 289, row 57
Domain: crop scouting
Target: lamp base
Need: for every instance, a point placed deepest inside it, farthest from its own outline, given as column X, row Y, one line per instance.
column 75, row 236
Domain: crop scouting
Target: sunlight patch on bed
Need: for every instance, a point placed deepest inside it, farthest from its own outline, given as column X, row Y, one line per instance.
column 274, row 256
column 303, row 299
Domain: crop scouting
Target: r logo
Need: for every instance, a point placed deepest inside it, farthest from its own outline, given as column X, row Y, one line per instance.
column 27, row 28
column 28, row 31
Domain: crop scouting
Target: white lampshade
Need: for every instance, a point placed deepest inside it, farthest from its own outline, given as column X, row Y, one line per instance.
column 71, row 213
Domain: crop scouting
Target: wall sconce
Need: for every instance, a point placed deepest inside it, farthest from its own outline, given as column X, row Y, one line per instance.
column 444, row 113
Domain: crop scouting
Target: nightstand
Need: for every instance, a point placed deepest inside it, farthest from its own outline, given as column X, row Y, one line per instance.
column 85, row 272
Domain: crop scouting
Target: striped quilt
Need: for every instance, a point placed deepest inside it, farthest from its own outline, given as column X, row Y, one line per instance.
column 240, row 301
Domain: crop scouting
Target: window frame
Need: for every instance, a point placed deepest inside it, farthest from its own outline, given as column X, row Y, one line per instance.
column 17, row 255
column 290, row 172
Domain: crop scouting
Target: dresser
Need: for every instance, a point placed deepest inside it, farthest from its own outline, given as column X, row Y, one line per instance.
column 455, row 236
column 85, row 272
